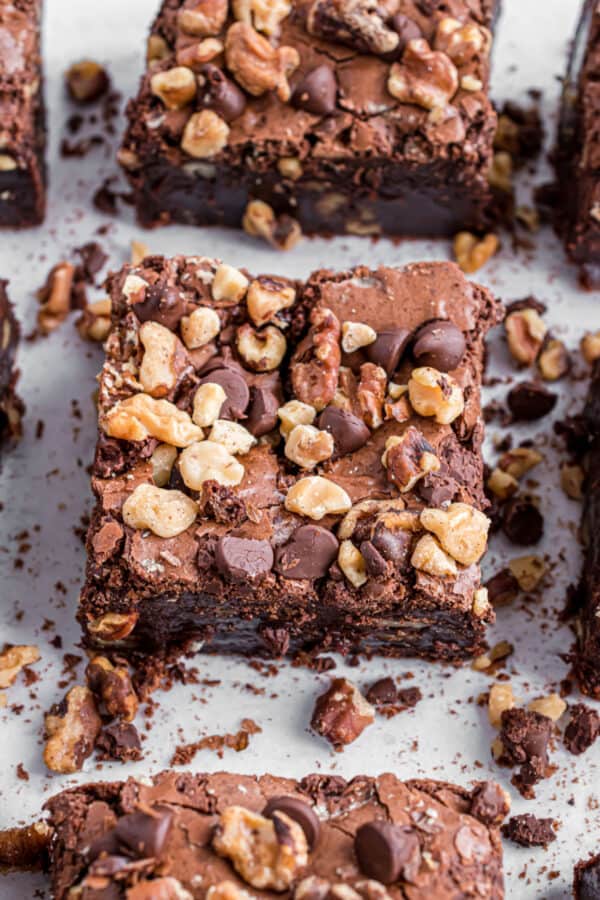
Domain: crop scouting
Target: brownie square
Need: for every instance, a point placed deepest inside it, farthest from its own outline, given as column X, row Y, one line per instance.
column 263, row 478
column 336, row 117
column 578, row 152
column 22, row 121
column 11, row 407
column 183, row 836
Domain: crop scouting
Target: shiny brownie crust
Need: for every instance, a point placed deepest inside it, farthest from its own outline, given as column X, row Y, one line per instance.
column 145, row 592
column 363, row 161
column 445, row 838
column 22, row 119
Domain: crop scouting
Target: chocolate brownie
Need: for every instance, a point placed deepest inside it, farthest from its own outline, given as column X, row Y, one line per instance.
column 11, row 408
column 237, row 836
column 586, row 885
column 22, row 122
column 578, row 152
column 315, row 116
column 286, row 465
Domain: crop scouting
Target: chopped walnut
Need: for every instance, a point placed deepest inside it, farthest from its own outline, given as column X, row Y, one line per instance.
column 356, row 335
column 202, row 18
column 229, row 284
column 205, row 134
column 554, row 361
column 260, row 220
column 55, row 297
column 501, row 698
column 209, row 461
column 227, row 890
column 461, row 42
column 359, row 23
column 262, row 350
column 163, row 512
column 433, row 393
column 267, row 297
column 429, row 557
column 13, row 659
column 528, row 570
column 500, row 174
column 424, row 77
column 163, row 459
column 519, row 461
column 501, row 484
column 94, row 323
column 233, row 436
column 141, row 416
column 256, row 65
column 352, row 563
column 525, row 333
column 552, row 706
column 265, row 16
column 341, row 714
column 481, row 602
column 471, row 253
column 164, row 359
column 408, row 458
column 307, row 446
column 24, row 849
column 267, row 853
column 176, row 87
column 71, row 730
column 112, row 686
column 571, row 481
column 461, row 529
column 590, row 347
column 86, row 81
column 200, row 328
column 112, row 627
column 315, row 366
column 164, row 888
column 499, row 651
column 363, row 510
column 208, row 402
column 317, row 497
column 294, row 413
column 195, row 56
column 371, row 393
column 290, row 167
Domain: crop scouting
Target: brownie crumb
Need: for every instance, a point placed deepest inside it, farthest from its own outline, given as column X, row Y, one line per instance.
column 120, row 741
column 239, row 741
column 582, row 730
column 529, row 831
column 525, row 739
column 390, row 700
column 341, row 714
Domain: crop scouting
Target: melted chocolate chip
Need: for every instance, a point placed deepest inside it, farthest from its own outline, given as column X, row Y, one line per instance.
column 406, row 29
column 387, row 349
column 234, row 385
column 395, row 546
column 529, row 401
column 239, row 559
column 163, row 305
column 221, row 94
column 299, row 812
column 262, row 414
column 317, row 91
column 383, row 850
column 439, row 344
column 348, row 431
column 308, row 554
column 145, row 834
column 522, row 522
column 374, row 561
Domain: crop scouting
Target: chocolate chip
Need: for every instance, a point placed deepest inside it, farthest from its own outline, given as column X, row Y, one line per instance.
column 162, row 305
column 308, row 554
column 439, row 344
column 119, row 740
column 299, row 812
column 437, row 488
column 522, row 522
column 262, row 414
column 145, row 834
column 221, row 94
column 317, row 92
column 234, row 385
column 387, row 349
column 489, row 803
column 529, row 401
column 529, row 831
column 395, row 546
column 406, row 29
column 502, row 588
column 382, row 692
column 374, row 561
column 348, row 431
column 383, row 849
column 241, row 559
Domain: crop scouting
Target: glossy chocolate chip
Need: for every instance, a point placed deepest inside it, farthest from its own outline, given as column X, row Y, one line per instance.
column 406, row 29
column 387, row 349
column 234, row 385
column 374, row 561
column 145, row 833
column 383, row 849
column 221, row 94
column 348, row 431
column 440, row 345
column 394, row 546
column 299, row 812
column 529, row 401
column 317, row 92
column 522, row 522
column 308, row 554
column 163, row 305
column 262, row 413
column 242, row 559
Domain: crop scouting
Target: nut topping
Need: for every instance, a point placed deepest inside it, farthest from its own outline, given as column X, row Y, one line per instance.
column 408, row 458
column 461, row 42
column 163, row 361
column 72, row 727
column 341, row 714
column 293, row 413
column 13, row 659
column 164, row 513
column 358, row 23
column 525, row 333
column 261, row 350
column 266, row 297
column 461, row 529
column 201, row 327
column 267, row 853
column 260, row 220
column 433, row 393
column 141, row 416
column 163, row 460
column 352, row 563
column 233, row 436
column 209, row 461
column 203, row 18
column 265, row 16
column 208, row 402
column 317, row 497
column 316, row 364
column 176, row 87
column 425, row 77
column 229, row 284
column 112, row 686
column 429, row 557
column 307, row 446
column 256, row 65
column 356, row 335
column 471, row 253
column 205, row 134
column 112, row 627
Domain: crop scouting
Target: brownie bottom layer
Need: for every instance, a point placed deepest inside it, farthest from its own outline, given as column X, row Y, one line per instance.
column 386, row 203
column 22, row 202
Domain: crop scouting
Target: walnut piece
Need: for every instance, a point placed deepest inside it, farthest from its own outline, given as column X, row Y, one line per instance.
column 552, row 706
column 462, row 42
column 163, row 512
column 229, row 284
column 176, row 87
column 525, row 333
column 200, row 328
column 307, row 446
column 315, row 366
column 71, row 730
column 261, row 350
column 13, row 659
column 424, row 77
column 429, row 557
column 317, row 497
column 266, row 853
column 266, row 297
column 233, row 436
column 227, row 890
column 371, row 393
column 500, row 699
column 203, row 18
column 356, row 335
column 141, row 416
column 294, row 413
column 358, row 23
column 471, row 253
column 208, row 402
column 528, row 570
column 520, row 460
column 259, row 220
column 352, row 563
column 554, row 361
column 94, row 323
column 433, row 393
column 163, row 361
column 265, row 16
column 571, row 481
column 209, row 461
column 408, row 458
column 163, row 459
column 501, row 484
column 205, row 134
column 590, row 347
column 112, row 686
column 341, row 714
column 256, row 65
column 112, row 627
column 461, row 530
column 55, row 297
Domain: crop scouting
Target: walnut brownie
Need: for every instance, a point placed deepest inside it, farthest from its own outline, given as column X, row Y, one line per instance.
column 11, row 408
column 22, row 122
column 321, row 116
column 230, row 837
column 284, row 465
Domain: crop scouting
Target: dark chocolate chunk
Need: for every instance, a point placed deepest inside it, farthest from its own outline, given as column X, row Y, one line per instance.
column 374, row 561
column 387, row 349
column 502, row 588
column 395, row 546
column 300, row 812
column 587, row 879
column 162, row 305
column 529, row 401
column 236, row 388
column 440, row 345
column 437, row 488
column 308, row 554
column 489, row 803
column 522, row 522
column 383, row 850
column 406, row 29
column 582, row 730
column 221, row 94
column 525, row 737
column 241, row 559
column 262, row 413
column 119, row 740
column 529, row 831
column 317, row 91
column 348, row 431
column 382, row 692
column 145, row 833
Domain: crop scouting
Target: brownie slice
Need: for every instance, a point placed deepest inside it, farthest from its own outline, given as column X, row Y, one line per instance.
column 578, row 152
column 11, row 407
column 336, row 118
column 22, row 121
column 286, row 465
column 232, row 836
column 586, row 885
